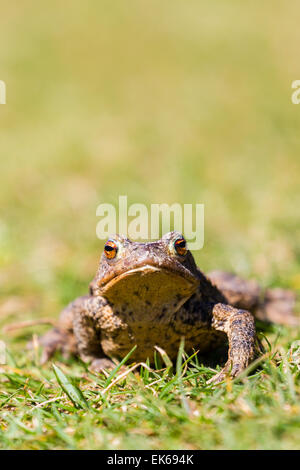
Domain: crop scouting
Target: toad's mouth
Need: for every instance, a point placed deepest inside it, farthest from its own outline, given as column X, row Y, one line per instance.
column 151, row 285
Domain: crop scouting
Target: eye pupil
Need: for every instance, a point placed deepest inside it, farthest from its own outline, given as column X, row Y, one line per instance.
column 180, row 246
column 110, row 249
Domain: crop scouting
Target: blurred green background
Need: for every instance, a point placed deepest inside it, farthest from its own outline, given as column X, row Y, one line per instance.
column 185, row 102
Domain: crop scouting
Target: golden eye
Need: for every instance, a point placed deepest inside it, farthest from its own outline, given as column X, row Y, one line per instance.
column 110, row 249
column 180, row 246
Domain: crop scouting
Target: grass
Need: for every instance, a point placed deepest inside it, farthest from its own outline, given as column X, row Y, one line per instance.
column 163, row 102
column 66, row 406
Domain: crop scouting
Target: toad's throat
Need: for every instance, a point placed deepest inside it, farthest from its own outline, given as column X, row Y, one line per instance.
column 149, row 288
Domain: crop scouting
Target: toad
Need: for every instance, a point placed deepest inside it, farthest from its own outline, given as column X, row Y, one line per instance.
column 153, row 294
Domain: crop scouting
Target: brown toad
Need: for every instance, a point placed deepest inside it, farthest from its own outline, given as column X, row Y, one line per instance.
column 153, row 294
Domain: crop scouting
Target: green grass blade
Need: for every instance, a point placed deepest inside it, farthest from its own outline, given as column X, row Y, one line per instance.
column 116, row 369
column 73, row 392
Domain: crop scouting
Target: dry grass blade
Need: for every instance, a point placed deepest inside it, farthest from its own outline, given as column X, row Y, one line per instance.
column 165, row 357
column 40, row 405
column 27, row 324
column 124, row 374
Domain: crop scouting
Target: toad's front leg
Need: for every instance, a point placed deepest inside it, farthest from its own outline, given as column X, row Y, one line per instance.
column 87, row 330
column 240, row 329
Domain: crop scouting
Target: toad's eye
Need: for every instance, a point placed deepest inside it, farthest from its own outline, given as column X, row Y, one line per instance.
column 110, row 249
column 180, row 246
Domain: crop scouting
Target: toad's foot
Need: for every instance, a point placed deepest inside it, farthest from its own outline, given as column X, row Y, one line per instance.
column 62, row 337
column 227, row 371
column 55, row 340
column 278, row 306
column 100, row 364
